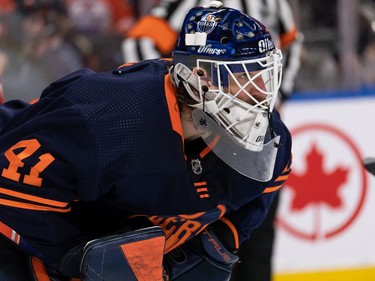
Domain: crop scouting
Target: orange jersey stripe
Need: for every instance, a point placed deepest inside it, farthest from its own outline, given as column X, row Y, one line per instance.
column 287, row 169
column 34, row 198
column 282, row 177
column 170, row 93
column 205, row 152
column 234, row 231
column 200, row 183
column 127, row 64
column 28, row 206
column 272, row 189
column 190, row 217
column 39, row 270
column 222, row 209
column 34, row 101
column 158, row 30
column 280, row 181
column 9, row 233
column 208, row 148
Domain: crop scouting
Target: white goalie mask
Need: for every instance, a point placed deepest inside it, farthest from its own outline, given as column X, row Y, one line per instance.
column 234, row 87
column 238, row 97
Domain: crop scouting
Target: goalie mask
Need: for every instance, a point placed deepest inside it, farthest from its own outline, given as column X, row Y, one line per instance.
column 229, row 66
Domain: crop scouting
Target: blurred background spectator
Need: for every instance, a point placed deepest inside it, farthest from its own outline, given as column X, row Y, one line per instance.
column 41, row 40
column 366, row 42
column 339, row 36
column 35, row 48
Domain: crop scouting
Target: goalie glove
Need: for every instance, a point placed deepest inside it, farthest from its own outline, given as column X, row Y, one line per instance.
column 136, row 255
column 201, row 258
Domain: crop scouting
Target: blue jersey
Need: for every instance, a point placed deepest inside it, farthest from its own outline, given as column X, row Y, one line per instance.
column 112, row 143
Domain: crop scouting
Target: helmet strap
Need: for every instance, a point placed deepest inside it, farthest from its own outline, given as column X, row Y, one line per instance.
column 183, row 75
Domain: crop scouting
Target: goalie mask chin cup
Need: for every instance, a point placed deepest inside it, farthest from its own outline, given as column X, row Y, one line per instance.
column 242, row 73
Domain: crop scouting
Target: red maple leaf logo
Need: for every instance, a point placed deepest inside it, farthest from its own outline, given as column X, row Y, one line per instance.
column 316, row 186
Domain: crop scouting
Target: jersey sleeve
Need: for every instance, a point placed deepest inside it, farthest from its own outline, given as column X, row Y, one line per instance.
column 250, row 215
column 9, row 109
column 47, row 164
column 48, row 145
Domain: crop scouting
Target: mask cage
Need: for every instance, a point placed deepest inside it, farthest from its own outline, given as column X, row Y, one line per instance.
column 222, row 74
